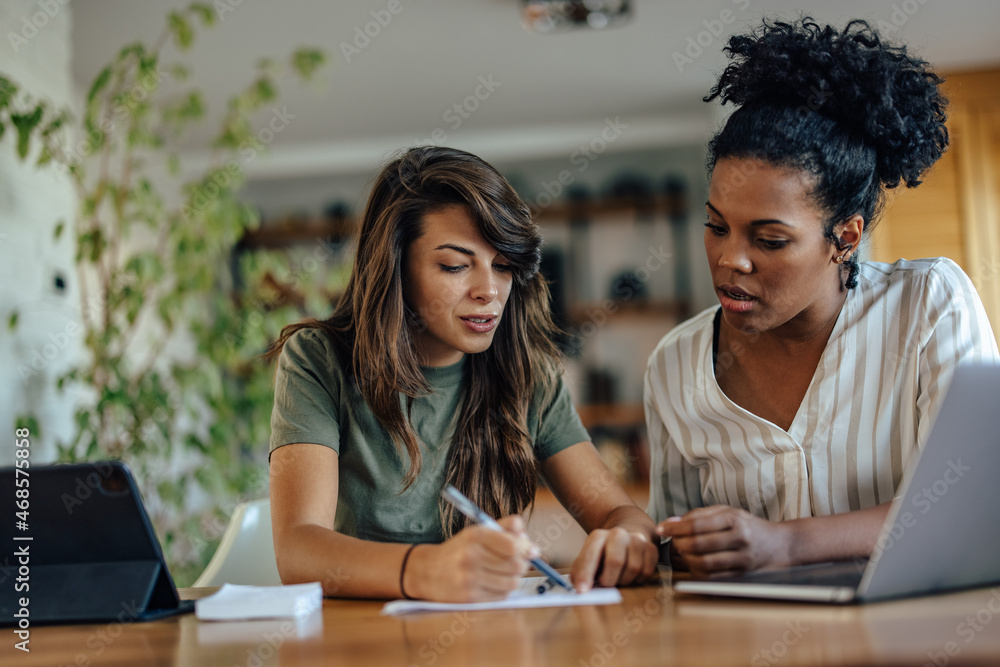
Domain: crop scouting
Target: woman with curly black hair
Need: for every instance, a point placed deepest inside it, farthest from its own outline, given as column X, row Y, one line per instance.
column 782, row 421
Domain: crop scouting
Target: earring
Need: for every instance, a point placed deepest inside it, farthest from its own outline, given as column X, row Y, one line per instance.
column 843, row 255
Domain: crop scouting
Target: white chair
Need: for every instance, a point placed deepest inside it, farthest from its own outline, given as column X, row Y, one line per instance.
column 246, row 552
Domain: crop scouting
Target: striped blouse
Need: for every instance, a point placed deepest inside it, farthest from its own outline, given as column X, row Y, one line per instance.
column 871, row 401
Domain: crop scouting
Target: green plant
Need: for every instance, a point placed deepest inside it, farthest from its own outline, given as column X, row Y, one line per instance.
column 175, row 386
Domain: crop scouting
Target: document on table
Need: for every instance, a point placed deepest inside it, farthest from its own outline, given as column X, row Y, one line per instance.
column 233, row 602
column 526, row 596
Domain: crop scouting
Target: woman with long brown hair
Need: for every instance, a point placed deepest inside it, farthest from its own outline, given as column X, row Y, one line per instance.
column 437, row 367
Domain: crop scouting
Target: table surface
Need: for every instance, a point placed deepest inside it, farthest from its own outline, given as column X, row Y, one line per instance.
column 654, row 626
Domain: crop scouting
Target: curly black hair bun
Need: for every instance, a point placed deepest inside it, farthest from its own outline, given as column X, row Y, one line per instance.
column 870, row 88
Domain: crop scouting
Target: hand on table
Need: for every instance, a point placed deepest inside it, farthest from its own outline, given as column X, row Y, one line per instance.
column 722, row 541
column 614, row 557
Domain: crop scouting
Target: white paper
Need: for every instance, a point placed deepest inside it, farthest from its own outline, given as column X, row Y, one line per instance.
column 526, row 596
column 261, row 630
column 233, row 602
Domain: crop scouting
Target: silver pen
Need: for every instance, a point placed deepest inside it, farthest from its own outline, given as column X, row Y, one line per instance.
column 469, row 509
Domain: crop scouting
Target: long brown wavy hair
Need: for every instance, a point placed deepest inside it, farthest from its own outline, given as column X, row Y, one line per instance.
column 491, row 458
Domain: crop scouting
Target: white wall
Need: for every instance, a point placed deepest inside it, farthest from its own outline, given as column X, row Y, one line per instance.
column 35, row 53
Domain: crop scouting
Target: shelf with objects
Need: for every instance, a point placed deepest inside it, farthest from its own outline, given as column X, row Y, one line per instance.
column 619, row 271
column 620, row 276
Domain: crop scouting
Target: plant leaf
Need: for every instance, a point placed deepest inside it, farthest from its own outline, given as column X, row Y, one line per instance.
column 205, row 11
column 307, row 61
column 7, row 91
column 181, row 28
column 99, row 84
column 25, row 123
column 264, row 90
column 147, row 69
column 29, row 422
column 100, row 81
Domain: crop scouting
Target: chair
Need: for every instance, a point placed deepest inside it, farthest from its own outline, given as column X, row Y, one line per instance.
column 246, row 552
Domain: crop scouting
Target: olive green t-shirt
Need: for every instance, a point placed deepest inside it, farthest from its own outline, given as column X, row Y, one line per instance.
column 316, row 401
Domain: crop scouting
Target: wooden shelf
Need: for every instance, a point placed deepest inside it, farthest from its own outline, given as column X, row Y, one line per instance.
column 281, row 233
column 675, row 309
column 288, row 231
column 596, row 210
column 611, row 414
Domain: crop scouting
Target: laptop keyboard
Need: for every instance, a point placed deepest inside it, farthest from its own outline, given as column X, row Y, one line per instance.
column 846, row 573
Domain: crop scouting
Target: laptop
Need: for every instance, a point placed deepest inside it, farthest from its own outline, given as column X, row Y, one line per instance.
column 943, row 531
column 81, row 549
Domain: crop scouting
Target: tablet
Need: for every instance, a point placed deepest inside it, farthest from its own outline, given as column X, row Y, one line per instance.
column 78, row 547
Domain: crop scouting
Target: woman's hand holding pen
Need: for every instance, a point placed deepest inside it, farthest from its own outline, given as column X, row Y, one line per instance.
column 476, row 565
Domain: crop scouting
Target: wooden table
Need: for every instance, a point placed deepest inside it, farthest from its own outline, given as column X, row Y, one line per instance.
column 654, row 626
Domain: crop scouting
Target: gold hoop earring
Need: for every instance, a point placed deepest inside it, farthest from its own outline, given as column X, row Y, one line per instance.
column 839, row 259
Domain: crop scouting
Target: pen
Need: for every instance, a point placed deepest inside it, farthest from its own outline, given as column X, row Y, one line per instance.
column 469, row 509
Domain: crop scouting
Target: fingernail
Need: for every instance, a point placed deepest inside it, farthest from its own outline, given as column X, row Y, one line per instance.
column 534, row 552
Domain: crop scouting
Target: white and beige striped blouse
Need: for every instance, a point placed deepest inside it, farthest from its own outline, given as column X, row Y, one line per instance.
column 872, row 400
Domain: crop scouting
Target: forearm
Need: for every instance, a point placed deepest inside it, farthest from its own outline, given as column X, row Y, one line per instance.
column 835, row 537
column 345, row 566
